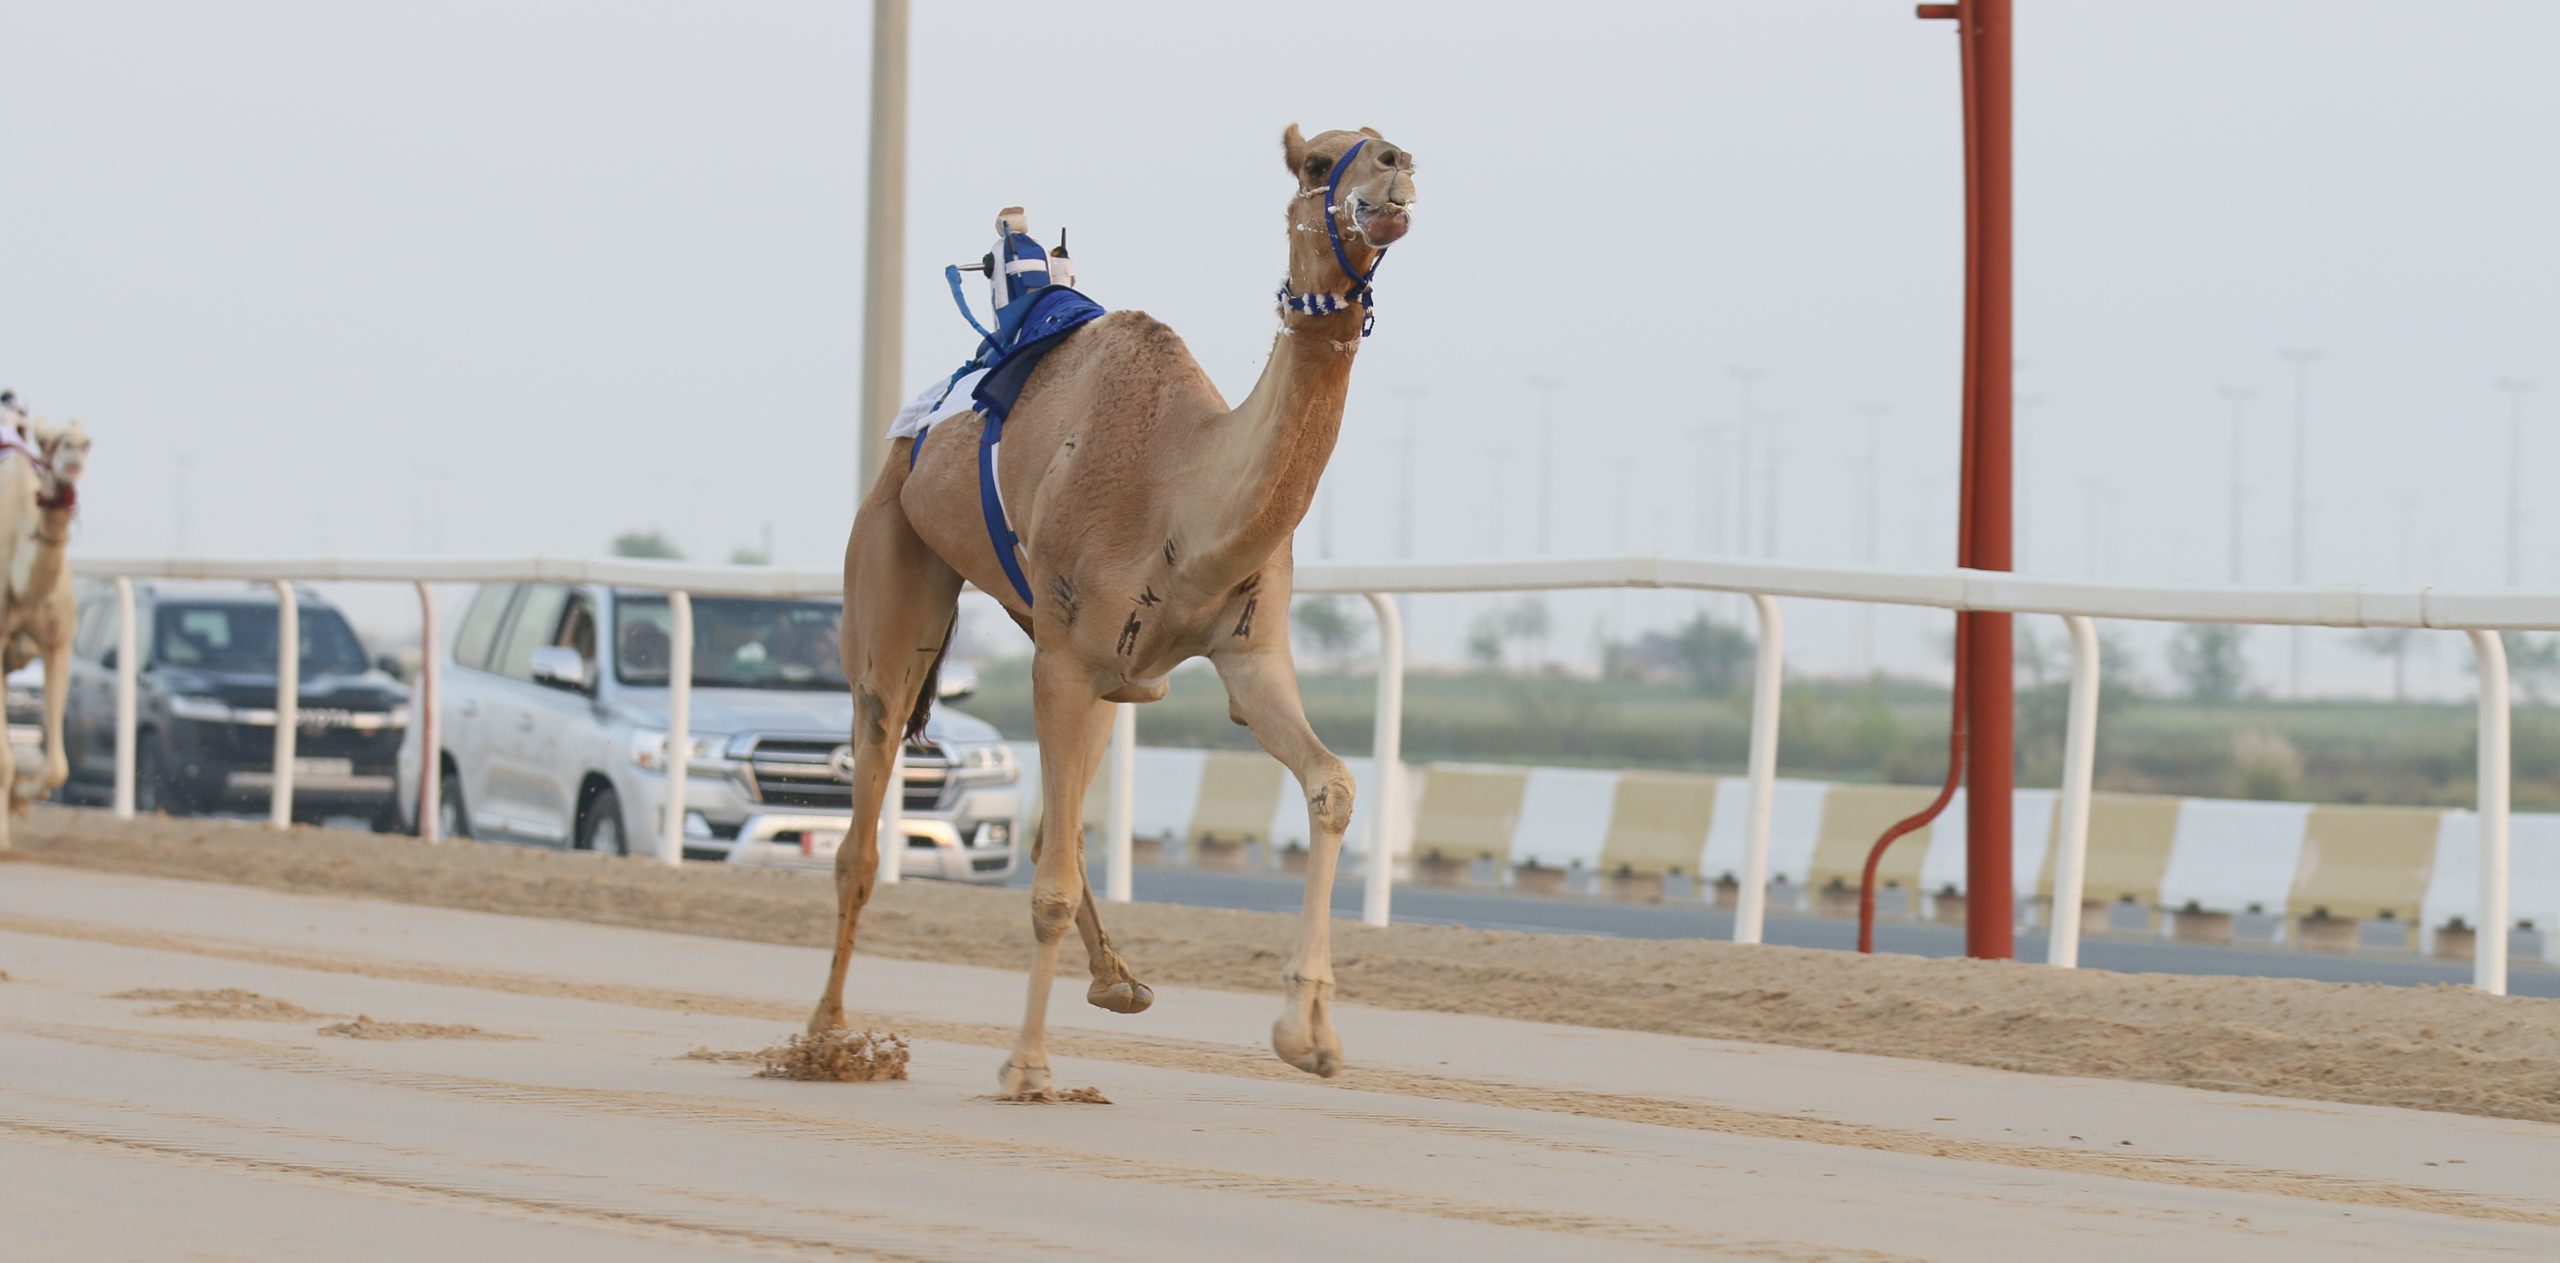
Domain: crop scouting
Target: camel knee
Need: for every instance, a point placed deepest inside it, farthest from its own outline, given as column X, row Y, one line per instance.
column 1051, row 914
column 1329, row 803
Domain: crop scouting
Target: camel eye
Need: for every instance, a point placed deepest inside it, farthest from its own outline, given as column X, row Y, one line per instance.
column 1316, row 166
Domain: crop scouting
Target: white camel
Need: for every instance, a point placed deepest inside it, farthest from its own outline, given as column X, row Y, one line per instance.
column 40, row 470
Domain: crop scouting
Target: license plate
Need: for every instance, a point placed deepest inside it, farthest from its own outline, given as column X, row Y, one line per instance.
column 324, row 767
column 820, row 841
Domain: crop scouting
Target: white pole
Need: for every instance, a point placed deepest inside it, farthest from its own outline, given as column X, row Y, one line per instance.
column 679, row 726
column 1752, row 902
column 288, row 702
column 2079, row 760
column 892, row 845
column 2489, row 953
column 1118, row 814
column 128, row 641
column 1386, row 822
column 422, row 713
column 884, row 262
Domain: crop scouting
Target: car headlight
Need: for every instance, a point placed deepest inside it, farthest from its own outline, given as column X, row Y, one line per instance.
column 208, row 709
column 989, row 759
column 704, row 754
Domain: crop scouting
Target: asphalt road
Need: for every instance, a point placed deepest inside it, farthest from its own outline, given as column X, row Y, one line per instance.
column 2123, row 953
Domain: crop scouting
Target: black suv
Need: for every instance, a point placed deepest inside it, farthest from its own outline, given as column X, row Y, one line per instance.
column 206, row 705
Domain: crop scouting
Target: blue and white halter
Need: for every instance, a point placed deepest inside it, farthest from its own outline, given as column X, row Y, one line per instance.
column 1361, row 294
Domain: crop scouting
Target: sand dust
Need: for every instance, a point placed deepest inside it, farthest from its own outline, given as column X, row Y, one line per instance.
column 230, row 1002
column 367, row 1028
column 2441, row 1048
column 1057, row 1096
column 723, row 1056
column 837, row 1057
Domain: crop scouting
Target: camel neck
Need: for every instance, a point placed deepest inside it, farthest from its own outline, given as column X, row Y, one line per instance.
column 1274, row 446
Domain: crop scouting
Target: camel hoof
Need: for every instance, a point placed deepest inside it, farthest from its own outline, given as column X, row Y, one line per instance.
column 1317, row 1054
column 826, row 1019
column 1130, row 996
column 1019, row 1080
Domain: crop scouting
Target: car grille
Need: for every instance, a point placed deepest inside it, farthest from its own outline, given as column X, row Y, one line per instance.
column 791, row 772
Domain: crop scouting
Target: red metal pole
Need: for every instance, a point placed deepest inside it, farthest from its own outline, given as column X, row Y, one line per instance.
column 1990, row 767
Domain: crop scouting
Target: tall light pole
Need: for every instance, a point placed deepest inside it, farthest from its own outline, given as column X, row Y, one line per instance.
column 884, row 255
column 1710, row 505
column 1546, row 388
column 1744, row 378
column 1406, row 489
column 2239, row 397
column 2022, row 464
column 2516, row 388
column 1873, row 544
column 1769, row 499
column 2302, row 358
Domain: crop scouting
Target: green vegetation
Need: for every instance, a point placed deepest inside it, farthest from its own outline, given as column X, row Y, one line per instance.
column 1881, row 729
column 648, row 545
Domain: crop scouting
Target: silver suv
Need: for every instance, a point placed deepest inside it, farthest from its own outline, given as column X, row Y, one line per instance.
column 552, row 722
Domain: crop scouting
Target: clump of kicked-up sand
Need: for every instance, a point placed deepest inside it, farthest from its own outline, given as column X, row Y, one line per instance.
column 1058, row 1096
column 228, row 1002
column 367, row 1028
column 833, row 1057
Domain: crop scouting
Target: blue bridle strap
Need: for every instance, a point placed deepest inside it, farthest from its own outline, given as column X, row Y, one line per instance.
column 1360, row 291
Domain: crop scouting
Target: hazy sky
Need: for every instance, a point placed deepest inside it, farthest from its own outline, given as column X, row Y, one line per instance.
column 483, row 278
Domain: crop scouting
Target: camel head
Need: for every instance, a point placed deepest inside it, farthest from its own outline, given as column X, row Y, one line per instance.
column 65, row 449
column 1373, row 203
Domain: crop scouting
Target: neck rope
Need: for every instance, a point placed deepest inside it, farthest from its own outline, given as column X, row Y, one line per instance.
column 1361, row 293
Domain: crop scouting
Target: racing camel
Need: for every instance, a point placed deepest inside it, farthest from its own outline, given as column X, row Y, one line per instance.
column 1154, row 526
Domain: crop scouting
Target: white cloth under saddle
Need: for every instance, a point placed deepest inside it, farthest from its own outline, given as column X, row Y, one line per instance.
column 938, row 403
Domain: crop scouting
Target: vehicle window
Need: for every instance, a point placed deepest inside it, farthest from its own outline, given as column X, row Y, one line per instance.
column 242, row 638
column 537, row 619
column 738, row 642
column 578, row 628
column 479, row 631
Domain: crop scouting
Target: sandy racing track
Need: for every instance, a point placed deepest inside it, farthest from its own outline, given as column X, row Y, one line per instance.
column 570, row 1123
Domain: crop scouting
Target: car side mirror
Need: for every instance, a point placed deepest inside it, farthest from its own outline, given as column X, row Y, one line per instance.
column 108, row 660
column 959, row 681
column 560, row 667
column 390, row 664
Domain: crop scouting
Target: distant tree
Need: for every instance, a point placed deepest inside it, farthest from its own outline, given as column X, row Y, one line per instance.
column 648, row 545
column 1707, row 656
column 2034, row 655
column 1325, row 624
column 2207, row 660
column 2395, row 643
column 1493, row 633
column 2532, row 664
column 743, row 555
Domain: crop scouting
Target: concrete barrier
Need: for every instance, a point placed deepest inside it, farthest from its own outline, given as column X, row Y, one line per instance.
column 2130, row 837
column 1795, row 819
column 1239, row 793
column 1469, row 812
column 1658, row 823
column 2229, row 858
column 2362, row 863
column 1564, row 818
column 1853, row 817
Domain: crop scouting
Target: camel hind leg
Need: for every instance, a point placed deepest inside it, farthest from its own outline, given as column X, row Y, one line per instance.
column 1262, row 690
column 899, row 602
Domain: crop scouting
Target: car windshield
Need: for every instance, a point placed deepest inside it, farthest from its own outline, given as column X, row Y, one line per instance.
column 738, row 642
column 242, row 638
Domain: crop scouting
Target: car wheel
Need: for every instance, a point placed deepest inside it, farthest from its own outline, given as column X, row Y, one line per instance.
column 451, row 817
column 600, row 829
column 154, row 790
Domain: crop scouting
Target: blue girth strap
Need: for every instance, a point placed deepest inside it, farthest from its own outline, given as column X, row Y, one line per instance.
column 1026, row 330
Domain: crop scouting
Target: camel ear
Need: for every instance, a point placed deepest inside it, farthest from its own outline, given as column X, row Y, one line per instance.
column 1371, row 133
column 1294, row 147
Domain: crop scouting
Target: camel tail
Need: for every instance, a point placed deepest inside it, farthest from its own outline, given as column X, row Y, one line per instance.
column 932, row 686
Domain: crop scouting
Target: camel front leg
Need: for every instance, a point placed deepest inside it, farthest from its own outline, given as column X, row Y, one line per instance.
column 1074, row 725
column 1262, row 690
column 57, row 693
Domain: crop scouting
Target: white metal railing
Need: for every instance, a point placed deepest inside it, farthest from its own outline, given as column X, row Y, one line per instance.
column 2481, row 614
